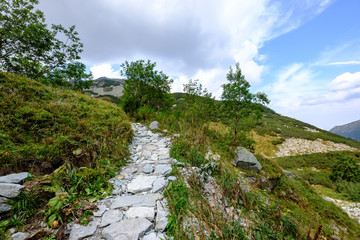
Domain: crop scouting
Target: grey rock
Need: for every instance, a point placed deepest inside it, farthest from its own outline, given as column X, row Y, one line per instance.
column 154, row 125
column 79, row 232
column 20, row 236
column 141, row 183
column 171, row 178
column 289, row 174
column 146, row 200
column 159, row 184
column 245, row 159
column 10, row 190
column 148, row 168
column 3, row 200
column 111, row 216
column 161, row 217
column 176, row 135
column 141, row 212
column 151, row 236
column 163, row 169
column 14, row 177
column 4, row 207
column 131, row 229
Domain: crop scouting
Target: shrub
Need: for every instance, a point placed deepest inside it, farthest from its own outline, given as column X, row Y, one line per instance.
column 346, row 168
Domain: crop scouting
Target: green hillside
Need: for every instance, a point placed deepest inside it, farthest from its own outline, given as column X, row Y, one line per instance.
column 77, row 140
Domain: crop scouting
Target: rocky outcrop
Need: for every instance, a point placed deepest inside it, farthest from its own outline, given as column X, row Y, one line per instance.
column 298, row 146
column 245, row 159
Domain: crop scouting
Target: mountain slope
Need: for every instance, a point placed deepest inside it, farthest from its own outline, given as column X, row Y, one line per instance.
column 350, row 130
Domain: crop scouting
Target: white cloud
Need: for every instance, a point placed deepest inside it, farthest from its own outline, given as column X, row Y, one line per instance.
column 345, row 81
column 104, row 70
column 344, row 63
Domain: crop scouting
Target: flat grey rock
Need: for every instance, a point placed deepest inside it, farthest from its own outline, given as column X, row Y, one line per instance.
column 141, row 212
column 20, row 236
column 10, row 190
column 159, row 184
column 14, row 177
column 79, row 232
column 131, row 229
column 4, row 207
column 146, row 200
column 245, row 159
column 154, row 125
column 141, row 183
column 161, row 216
column 151, row 236
column 148, row 168
column 111, row 216
column 163, row 169
column 3, row 200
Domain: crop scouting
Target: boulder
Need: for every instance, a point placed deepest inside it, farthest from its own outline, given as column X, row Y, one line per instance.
column 146, row 200
column 131, row 229
column 80, row 232
column 154, row 125
column 14, row 177
column 10, row 190
column 245, row 159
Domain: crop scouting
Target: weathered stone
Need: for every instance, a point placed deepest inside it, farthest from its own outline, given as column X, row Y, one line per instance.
column 148, row 168
column 141, row 183
column 151, row 236
column 14, row 177
column 171, row 178
column 111, row 216
column 245, row 159
column 141, row 212
column 3, row 200
column 163, row 169
column 146, row 200
column 4, row 207
column 289, row 174
column 10, row 190
column 161, row 216
column 131, row 229
column 154, row 125
column 79, row 232
column 20, row 236
column 159, row 184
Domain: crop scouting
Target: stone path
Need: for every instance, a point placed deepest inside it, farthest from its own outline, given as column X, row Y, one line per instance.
column 137, row 209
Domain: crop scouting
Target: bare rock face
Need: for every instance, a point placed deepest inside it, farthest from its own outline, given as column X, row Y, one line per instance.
column 245, row 159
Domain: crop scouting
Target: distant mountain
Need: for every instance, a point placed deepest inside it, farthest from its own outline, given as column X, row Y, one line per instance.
column 350, row 130
column 104, row 86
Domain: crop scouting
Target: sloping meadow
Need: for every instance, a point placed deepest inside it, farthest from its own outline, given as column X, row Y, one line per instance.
column 42, row 127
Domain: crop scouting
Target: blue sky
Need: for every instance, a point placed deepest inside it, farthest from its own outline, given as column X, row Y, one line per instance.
column 305, row 54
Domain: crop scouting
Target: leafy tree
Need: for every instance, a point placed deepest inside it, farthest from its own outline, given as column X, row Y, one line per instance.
column 346, row 168
column 70, row 75
column 145, row 86
column 199, row 103
column 27, row 46
column 239, row 104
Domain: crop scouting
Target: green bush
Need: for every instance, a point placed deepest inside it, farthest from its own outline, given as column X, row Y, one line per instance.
column 346, row 168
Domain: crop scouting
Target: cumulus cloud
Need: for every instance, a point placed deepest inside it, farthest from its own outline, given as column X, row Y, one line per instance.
column 345, row 81
column 104, row 70
column 187, row 38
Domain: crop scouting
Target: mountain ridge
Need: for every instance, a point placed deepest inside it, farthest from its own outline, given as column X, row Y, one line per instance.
column 349, row 130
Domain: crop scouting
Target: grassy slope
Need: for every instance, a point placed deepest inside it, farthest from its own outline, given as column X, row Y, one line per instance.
column 43, row 128
column 293, row 201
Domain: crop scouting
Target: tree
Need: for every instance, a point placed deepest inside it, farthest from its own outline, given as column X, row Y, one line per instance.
column 145, row 86
column 199, row 104
column 27, row 46
column 239, row 104
column 70, row 75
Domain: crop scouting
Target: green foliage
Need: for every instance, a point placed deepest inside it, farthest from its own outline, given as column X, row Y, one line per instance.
column 43, row 126
column 71, row 75
column 199, row 105
column 28, row 47
column 178, row 194
column 145, row 86
column 239, row 103
column 346, row 168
